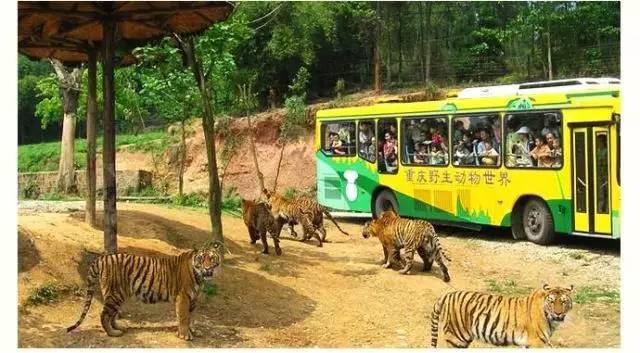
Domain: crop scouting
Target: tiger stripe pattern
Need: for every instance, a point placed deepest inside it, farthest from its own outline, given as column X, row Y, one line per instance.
column 301, row 210
column 528, row 321
column 396, row 233
column 150, row 279
column 259, row 221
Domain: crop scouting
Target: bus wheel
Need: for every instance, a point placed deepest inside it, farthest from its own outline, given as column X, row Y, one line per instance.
column 385, row 201
column 537, row 223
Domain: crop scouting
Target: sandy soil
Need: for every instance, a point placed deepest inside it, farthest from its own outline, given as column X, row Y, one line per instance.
column 335, row 296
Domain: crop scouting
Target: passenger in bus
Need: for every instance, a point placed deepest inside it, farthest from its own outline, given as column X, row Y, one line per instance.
column 542, row 153
column 438, row 157
column 372, row 149
column 365, row 137
column 415, row 133
column 488, row 156
column 463, row 155
column 458, row 131
column 390, row 151
column 344, row 134
column 420, row 156
column 521, row 148
column 497, row 134
column 548, row 129
column 336, row 144
column 556, row 152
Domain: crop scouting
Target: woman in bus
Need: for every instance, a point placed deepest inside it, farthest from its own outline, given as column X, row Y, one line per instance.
column 420, row 156
column 542, row 153
column 365, row 136
column 489, row 155
column 336, row 144
column 437, row 155
column 556, row 150
column 390, row 151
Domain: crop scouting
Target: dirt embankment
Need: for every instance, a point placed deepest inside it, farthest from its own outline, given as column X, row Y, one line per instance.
column 334, row 296
column 298, row 162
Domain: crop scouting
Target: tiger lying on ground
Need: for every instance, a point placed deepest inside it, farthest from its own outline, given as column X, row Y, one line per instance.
column 259, row 220
column 301, row 210
column 528, row 321
column 150, row 279
column 396, row 233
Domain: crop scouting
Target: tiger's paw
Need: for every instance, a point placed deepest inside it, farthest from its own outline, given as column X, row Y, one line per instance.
column 187, row 336
column 386, row 265
column 115, row 333
column 405, row 271
column 278, row 251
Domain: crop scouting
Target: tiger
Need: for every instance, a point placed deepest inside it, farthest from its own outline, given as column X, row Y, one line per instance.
column 259, row 220
column 301, row 210
column 396, row 233
column 151, row 279
column 527, row 321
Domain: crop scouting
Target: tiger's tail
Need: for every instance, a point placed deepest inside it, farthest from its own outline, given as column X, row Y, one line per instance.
column 92, row 279
column 326, row 213
column 435, row 319
column 440, row 251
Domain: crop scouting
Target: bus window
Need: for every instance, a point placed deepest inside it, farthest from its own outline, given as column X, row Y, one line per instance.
column 534, row 140
column 387, row 146
column 477, row 140
column 426, row 141
column 602, row 172
column 366, row 141
column 339, row 138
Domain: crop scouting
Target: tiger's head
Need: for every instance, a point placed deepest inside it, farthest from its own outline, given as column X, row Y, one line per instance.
column 369, row 230
column 207, row 261
column 557, row 302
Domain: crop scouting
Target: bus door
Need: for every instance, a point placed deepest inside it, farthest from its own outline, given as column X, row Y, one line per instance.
column 591, row 175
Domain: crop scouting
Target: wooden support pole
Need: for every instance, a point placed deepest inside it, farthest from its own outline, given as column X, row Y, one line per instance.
column 90, row 208
column 109, row 141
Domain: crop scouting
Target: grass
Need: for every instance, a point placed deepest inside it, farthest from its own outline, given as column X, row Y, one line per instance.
column 45, row 294
column 210, row 289
column 43, row 157
column 589, row 294
column 506, row 287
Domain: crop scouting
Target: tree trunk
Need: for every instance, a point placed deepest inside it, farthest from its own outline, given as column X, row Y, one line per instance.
column 421, row 38
column 377, row 79
column 90, row 208
column 275, row 181
column 252, row 143
column 549, row 52
column 183, row 158
column 215, row 195
column 69, row 82
column 109, row 140
column 400, row 42
column 427, row 58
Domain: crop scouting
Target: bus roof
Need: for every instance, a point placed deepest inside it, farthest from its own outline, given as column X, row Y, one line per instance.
column 591, row 95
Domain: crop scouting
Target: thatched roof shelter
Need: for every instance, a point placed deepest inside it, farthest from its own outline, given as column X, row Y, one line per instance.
column 77, row 31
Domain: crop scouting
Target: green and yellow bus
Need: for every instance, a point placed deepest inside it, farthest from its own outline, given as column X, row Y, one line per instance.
column 541, row 163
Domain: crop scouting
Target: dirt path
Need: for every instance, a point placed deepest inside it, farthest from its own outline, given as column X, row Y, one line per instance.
column 335, row 296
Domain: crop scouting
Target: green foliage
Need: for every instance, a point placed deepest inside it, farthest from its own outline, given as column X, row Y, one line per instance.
column 231, row 200
column 590, row 294
column 192, row 199
column 506, row 287
column 210, row 289
column 30, row 191
column 43, row 157
column 45, row 294
column 340, row 88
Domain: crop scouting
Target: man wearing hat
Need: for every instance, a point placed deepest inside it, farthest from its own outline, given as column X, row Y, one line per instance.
column 521, row 147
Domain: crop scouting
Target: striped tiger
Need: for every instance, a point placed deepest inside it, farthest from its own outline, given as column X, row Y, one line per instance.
column 396, row 233
column 150, row 279
column 301, row 210
column 259, row 220
column 465, row 316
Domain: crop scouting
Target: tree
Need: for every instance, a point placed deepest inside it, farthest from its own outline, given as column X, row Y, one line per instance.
column 69, row 83
column 170, row 90
column 247, row 102
column 212, row 64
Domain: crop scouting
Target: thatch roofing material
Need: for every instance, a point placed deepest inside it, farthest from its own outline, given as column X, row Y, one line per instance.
column 66, row 30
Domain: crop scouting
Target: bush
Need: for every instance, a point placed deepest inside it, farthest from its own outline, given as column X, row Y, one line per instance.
column 45, row 294
column 340, row 87
column 231, row 200
column 191, row 200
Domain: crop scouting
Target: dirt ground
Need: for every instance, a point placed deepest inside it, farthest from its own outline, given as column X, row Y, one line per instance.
column 335, row 296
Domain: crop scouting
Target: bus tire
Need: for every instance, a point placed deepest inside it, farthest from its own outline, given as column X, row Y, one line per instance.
column 385, row 200
column 536, row 222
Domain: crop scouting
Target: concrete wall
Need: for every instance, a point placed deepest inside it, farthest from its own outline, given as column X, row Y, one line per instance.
column 31, row 185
